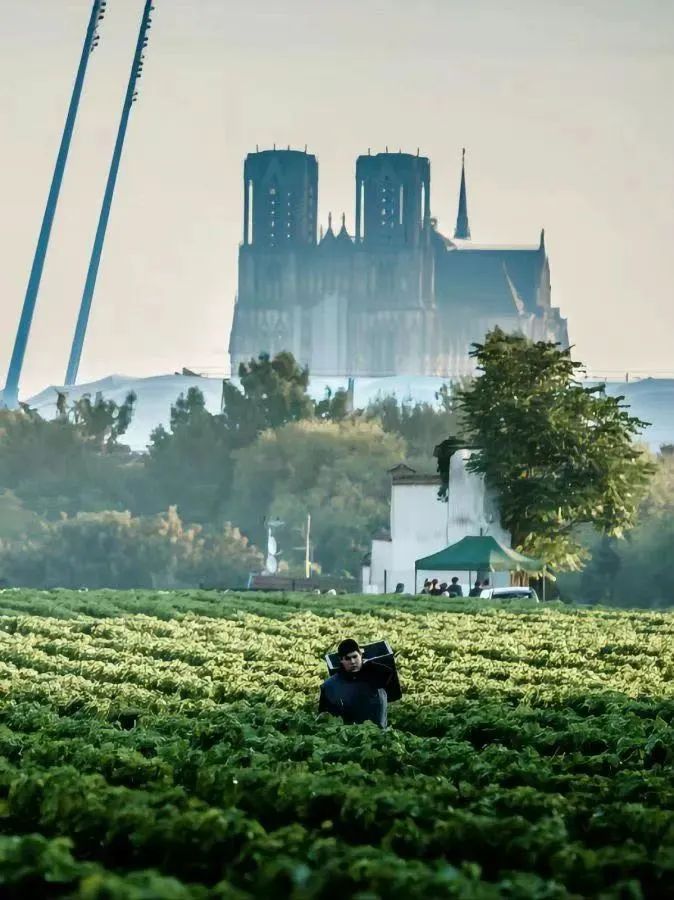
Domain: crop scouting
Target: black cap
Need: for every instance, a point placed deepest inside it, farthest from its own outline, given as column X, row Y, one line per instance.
column 348, row 646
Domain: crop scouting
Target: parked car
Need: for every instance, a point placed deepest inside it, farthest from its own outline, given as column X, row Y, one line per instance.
column 509, row 593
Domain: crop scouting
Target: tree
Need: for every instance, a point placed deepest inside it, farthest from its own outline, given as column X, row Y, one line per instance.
column 16, row 521
column 334, row 407
column 556, row 453
column 421, row 425
column 337, row 472
column 53, row 467
column 273, row 392
column 221, row 558
column 638, row 570
column 599, row 579
column 116, row 550
column 102, row 422
column 190, row 466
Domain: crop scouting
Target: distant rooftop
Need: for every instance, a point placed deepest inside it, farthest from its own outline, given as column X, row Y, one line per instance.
column 471, row 245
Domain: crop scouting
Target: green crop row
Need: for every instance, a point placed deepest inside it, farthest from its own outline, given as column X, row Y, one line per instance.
column 180, row 754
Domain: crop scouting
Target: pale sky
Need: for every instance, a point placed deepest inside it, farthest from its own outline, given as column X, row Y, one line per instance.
column 565, row 108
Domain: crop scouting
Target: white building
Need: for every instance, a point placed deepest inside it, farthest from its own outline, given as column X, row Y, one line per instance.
column 422, row 524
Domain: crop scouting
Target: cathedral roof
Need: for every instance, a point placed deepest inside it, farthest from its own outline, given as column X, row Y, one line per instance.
column 495, row 280
column 491, row 273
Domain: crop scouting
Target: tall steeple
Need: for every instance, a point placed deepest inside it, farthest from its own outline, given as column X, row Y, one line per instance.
column 462, row 231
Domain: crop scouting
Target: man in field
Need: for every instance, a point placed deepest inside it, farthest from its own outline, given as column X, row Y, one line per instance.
column 358, row 692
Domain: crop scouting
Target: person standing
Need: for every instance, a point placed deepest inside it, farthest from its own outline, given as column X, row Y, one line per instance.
column 359, row 691
column 455, row 589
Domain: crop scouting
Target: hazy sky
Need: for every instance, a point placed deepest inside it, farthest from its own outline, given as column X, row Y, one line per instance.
column 565, row 108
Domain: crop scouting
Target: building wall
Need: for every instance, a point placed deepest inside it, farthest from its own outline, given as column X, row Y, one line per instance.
column 422, row 524
column 380, row 564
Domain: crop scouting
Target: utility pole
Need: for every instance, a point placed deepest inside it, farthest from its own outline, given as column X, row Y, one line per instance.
column 10, row 396
column 94, row 264
column 307, row 549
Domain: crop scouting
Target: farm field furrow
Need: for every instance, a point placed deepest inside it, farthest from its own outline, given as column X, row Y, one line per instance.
column 157, row 745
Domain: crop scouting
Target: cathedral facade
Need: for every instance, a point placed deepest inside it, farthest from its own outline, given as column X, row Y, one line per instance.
column 397, row 297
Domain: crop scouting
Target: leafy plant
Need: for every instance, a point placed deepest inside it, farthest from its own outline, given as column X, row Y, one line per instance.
column 166, row 745
column 557, row 454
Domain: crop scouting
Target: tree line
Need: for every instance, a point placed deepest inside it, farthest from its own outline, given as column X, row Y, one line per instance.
column 564, row 460
column 78, row 508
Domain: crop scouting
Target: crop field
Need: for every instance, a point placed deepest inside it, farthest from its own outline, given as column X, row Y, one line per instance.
column 166, row 746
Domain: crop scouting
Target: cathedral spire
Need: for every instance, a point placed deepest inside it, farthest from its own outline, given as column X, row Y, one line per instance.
column 328, row 238
column 462, row 230
column 343, row 238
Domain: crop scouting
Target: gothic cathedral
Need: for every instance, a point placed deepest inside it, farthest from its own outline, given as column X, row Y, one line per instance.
column 397, row 297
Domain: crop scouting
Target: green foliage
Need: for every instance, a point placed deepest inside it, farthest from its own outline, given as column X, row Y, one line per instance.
column 659, row 500
column 16, row 522
column 74, row 465
column 556, row 453
column 214, row 468
column 421, row 425
column 116, row 550
column 167, row 746
column 190, row 466
column 218, row 558
column 334, row 407
column 55, row 467
column 102, row 422
column 273, row 392
column 638, row 569
column 599, row 580
column 335, row 471
column 34, row 866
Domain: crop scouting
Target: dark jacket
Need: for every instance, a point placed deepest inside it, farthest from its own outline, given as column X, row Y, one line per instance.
column 362, row 696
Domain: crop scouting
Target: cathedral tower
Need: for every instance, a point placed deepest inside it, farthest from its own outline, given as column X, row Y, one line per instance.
column 280, row 199
column 393, row 199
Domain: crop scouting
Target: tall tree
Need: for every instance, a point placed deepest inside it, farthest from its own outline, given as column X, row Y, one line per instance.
column 190, row 465
column 102, row 421
column 557, row 453
column 334, row 407
column 54, row 467
column 421, row 425
column 117, row 550
column 337, row 472
column 636, row 571
column 273, row 392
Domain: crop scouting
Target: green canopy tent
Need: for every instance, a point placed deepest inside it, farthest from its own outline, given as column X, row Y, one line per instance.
column 477, row 554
